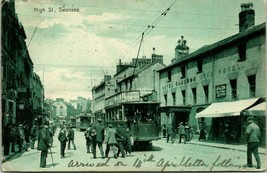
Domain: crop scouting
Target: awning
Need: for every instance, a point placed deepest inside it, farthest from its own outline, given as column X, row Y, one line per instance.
column 224, row 109
column 258, row 110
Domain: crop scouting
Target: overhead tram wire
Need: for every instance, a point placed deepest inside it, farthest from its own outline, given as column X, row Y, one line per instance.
column 154, row 24
column 150, row 28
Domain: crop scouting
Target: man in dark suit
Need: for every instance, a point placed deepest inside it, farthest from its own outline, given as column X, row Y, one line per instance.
column 170, row 133
column 62, row 137
column 44, row 143
column 253, row 137
column 99, row 128
column 121, row 139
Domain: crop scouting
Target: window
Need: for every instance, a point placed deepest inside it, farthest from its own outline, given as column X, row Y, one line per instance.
column 174, row 98
column 183, row 96
column 194, row 92
column 165, row 98
column 169, row 76
column 126, row 85
column 199, row 65
column 206, row 92
column 233, row 88
column 252, row 85
column 183, row 71
column 131, row 83
column 242, row 51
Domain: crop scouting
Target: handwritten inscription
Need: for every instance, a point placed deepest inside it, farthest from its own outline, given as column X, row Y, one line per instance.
column 163, row 163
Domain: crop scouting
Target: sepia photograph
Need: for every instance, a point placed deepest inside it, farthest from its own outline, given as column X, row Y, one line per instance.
column 136, row 85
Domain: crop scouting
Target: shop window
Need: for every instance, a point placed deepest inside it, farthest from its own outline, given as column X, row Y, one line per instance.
column 194, row 92
column 174, row 98
column 199, row 65
column 165, row 98
column 183, row 71
column 183, row 97
column 234, row 89
column 242, row 51
column 252, row 85
column 169, row 76
column 206, row 92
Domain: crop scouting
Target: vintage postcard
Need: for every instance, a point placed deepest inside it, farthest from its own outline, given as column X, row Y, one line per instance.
column 137, row 85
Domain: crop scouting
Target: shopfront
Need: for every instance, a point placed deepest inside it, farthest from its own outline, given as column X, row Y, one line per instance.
column 228, row 120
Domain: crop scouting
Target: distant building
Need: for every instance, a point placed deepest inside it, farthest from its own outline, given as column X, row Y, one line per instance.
column 63, row 110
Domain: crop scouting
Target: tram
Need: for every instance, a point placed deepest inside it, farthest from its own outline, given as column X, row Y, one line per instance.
column 82, row 122
column 141, row 117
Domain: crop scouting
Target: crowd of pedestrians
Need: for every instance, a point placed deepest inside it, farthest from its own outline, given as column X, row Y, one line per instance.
column 19, row 137
column 183, row 133
column 118, row 139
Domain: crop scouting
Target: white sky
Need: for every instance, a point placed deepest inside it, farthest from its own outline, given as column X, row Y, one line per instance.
column 71, row 51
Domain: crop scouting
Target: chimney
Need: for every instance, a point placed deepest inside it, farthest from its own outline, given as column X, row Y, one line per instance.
column 246, row 16
column 107, row 78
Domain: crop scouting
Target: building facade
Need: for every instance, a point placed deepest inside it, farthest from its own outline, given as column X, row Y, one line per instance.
column 17, row 69
column 62, row 111
column 230, row 70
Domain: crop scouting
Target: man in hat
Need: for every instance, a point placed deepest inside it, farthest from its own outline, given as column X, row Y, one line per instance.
column 62, row 137
column 253, row 135
column 110, row 140
column 44, row 143
column 99, row 128
column 88, row 138
column 121, row 138
column 181, row 132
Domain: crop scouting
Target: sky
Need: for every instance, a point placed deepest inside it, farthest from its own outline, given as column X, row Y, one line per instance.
column 72, row 51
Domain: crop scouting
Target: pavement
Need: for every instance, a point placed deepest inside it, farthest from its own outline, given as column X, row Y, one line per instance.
column 238, row 147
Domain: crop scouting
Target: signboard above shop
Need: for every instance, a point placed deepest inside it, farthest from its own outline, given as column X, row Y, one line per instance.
column 132, row 96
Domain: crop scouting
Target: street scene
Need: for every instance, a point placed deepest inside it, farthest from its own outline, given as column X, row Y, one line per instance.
column 162, row 157
column 114, row 85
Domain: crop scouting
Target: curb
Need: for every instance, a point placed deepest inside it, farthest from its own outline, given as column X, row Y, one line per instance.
column 244, row 150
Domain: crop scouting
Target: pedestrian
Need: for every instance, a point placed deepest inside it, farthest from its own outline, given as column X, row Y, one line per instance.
column 88, row 138
column 44, row 143
column 21, row 137
column 51, row 132
column 192, row 132
column 62, row 137
column 71, row 138
column 13, row 137
column 121, row 137
column 99, row 128
column 181, row 132
column 253, row 139
column 6, row 138
column 170, row 132
column 33, row 135
column 164, row 130
column 110, row 139
column 128, row 143
column 187, row 132
column 27, row 132
column 227, row 133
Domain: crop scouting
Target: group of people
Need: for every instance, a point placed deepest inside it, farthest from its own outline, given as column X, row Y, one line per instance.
column 183, row 133
column 21, row 135
column 118, row 139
